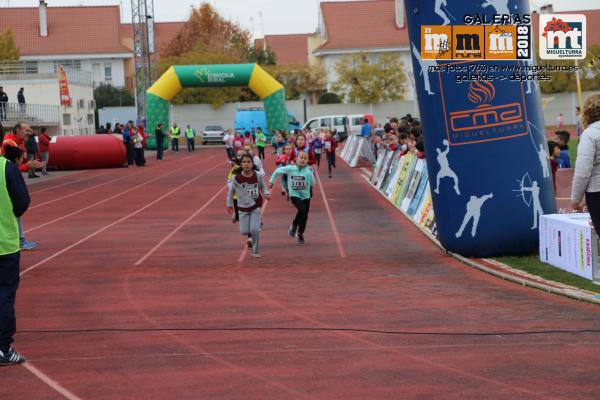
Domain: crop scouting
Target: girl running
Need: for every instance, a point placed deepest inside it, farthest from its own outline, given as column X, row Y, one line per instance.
column 303, row 146
column 317, row 148
column 300, row 183
column 248, row 185
column 236, row 168
column 283, row 160
column 330, row 145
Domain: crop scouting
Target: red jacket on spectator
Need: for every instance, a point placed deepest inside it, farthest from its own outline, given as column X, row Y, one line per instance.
column 44, row 143
column 12, row 140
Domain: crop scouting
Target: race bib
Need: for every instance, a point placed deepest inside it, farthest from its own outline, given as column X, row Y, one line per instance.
column 298, row 183
column 251, row 189
column 327, row 145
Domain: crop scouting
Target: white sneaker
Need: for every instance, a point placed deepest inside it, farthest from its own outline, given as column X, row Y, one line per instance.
column 256, row 255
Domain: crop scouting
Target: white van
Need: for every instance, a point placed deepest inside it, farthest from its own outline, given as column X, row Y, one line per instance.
column 327, row 122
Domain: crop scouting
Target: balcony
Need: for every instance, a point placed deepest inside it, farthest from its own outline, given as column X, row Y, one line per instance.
column 33, row 114
column 23, row 72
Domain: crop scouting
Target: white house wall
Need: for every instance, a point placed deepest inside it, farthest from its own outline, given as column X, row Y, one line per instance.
column 117, row 65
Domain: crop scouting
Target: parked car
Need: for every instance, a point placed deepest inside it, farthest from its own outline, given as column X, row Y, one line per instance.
column 213, row 134
column 246, row 119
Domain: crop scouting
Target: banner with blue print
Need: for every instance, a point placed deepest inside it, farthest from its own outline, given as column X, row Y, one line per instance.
column 487, row 157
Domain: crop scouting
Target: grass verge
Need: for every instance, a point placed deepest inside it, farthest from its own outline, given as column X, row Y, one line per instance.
column 534, row 266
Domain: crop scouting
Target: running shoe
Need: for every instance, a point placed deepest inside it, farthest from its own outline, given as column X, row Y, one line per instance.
column 249, row 243
column 292, row 230
column 11, row 357
column 256, row 255
column 300, row 238
column 27, row 245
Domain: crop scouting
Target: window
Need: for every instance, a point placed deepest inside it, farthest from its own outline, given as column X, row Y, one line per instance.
column 66, row 119
column 31, row 67
column 92, row 104
column 312, row 124
column 326, row 122
column 81, row 104
column 108, row 72
column 68, row 64
column 90, row 119
column 358, row 120
column 338, row 121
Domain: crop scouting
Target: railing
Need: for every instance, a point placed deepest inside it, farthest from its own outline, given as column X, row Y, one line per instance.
column 35, row 114
column 22, row 71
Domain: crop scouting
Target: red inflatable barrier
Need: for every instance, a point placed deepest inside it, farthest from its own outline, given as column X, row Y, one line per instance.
column 86, row 152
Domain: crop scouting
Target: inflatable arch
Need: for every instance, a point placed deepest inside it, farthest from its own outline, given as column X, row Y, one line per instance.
column 225, row 75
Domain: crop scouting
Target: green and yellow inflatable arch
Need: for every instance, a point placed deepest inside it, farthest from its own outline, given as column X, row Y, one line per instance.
column 180, row 76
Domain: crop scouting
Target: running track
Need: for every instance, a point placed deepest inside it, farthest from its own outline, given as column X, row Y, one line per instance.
column 142, row 289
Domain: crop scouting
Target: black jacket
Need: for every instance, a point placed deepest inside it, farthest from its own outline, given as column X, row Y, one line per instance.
column 17, row 190
column 31, row 145
column 21, row 98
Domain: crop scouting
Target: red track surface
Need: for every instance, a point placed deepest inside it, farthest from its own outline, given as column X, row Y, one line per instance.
column 284, row 326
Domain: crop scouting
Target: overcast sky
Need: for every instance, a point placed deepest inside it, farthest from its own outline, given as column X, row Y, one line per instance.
column 279, row 16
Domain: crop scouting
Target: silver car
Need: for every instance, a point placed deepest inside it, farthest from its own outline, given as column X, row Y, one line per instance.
column 213, row 134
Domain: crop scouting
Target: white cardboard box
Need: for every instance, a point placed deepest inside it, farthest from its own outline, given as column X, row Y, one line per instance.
column 568, row 242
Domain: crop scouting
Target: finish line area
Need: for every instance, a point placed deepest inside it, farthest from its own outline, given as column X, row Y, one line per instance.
column 143, row 287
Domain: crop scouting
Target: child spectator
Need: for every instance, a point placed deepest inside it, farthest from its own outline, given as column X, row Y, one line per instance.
column 554, row 153
column 138, row 145
column 564, row 159
column 32, row 151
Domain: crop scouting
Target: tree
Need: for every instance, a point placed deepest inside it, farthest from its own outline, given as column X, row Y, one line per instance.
column 217, row 35
column 329, row 98
column 565, row 81
column 106, row 95
column 300, row 79
column 362, row 82
column 9, row 52
column 261, row 56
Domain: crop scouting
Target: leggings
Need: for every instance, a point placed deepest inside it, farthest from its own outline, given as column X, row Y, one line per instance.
column 261, row 152
column 318, row 158
column 302, row 207
column 250, row 225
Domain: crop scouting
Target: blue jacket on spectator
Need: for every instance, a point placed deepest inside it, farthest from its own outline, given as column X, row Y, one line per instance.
column 564, row 159
column 365, row 131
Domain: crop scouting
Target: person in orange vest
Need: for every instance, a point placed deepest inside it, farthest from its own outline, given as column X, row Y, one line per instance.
column 17, row 139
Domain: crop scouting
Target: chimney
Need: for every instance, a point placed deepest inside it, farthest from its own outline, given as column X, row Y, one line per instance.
column 43, row 19
column 546, row 9
column 400, row 14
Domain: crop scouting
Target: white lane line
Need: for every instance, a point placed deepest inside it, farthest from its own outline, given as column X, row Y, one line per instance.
column 49, row 381
column 107, row 199
column 53, row 256
column 331, row 220
column 181, row 225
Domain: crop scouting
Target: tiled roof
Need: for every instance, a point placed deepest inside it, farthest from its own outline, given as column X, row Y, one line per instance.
column 347, row 27
column 593, row 33
column 71, row 30
column 164, row 32
column 288, row 49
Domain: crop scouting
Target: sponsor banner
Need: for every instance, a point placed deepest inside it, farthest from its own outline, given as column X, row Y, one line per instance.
column 65, row 98
column 562, row 36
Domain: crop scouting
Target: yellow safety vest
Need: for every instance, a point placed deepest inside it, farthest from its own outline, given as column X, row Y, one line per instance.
column 175, row 132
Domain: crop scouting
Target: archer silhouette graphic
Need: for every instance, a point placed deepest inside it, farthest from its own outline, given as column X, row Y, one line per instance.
column 440, row 12
column 535, row 198
column 543, row 156
column 445, row 170
column 473, row 212
column 425, row 64
column 501, row 6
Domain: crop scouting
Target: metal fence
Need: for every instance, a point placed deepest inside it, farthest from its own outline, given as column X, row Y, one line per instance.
column 34, row 114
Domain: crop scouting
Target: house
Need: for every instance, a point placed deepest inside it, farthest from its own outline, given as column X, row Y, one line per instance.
column 288, row 49
column 373, row 27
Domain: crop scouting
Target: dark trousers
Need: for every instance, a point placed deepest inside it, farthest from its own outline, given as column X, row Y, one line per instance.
column 230, row 153
column 592, row 200
column 9, row 282
column 140, row 160
column 174, row 144
column 330, row 161
column 191, row 145
column 130, row 153
column 261, row 152
column 159, row 149
column 302, row 207
column 318, row 158
column 30, row 157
